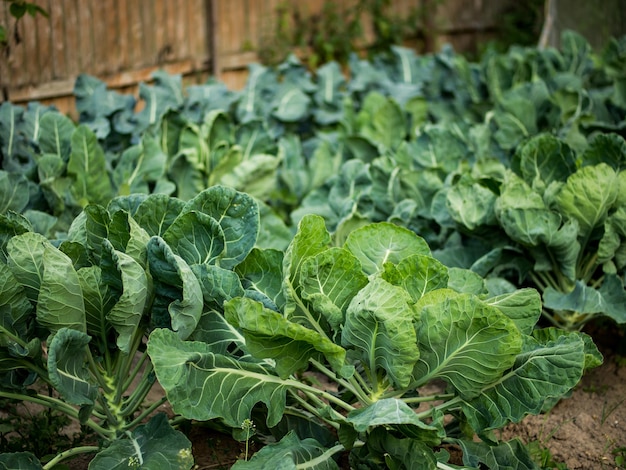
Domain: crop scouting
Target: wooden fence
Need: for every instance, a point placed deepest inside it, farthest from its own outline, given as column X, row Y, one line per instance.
column 123, row 41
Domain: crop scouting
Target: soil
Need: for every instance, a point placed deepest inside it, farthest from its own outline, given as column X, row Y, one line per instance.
column 586, row 431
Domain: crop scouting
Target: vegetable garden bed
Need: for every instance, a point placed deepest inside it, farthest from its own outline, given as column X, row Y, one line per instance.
column 306, row 262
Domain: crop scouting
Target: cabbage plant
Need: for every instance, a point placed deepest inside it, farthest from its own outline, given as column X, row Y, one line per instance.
column 370, row 349
column 76, row 313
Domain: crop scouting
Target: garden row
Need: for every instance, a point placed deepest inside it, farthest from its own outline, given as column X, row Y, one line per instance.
column 414, row 225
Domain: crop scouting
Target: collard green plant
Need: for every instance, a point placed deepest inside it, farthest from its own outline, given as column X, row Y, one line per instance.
column 379, row 342
column 75, row 313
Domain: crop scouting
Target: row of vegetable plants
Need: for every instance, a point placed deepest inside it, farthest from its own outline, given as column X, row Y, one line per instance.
column 414, row 225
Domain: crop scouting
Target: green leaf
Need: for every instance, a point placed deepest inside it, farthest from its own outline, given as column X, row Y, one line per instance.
column 19, row 461
column 290, row 453
column 504, row 456
column 544, row 159
column 67, row 367
column 98, row 301
column 60, row 302
column 56, row 135
column 379, row 325
column 238, row 215
column 385, row 412
column 383, row 242
column 178, row 294
column 25, row 259
column 291, row 104
column 262, row 272
column 139, row 165
column 154, row 445
column 218, row 284
column 202, row 385
column 471, row 204
column 329, row 281
column 157, row 212
column 270, row 336
column 463, row 341
column 523, row 306
column 87, row 166
column 588, row 196
column 417, row 274
column 13, row 303
column 524, row 389
column 133, row 291
column 14, row 192
column 196, row 237
column 382, row 121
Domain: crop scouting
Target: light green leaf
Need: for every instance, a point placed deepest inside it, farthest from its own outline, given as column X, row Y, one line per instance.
column 218, row 284
column 379, row 325
column 466, row 281
column 178, row 296
column 238, row 215
column 463, row 341
column 55, row 136
column 291, row 104
column 87, row 165
column 269, row 335
column 544, row 159
column 524, row 389
column 385, row 412
column 25, row 259
column 154, row 445
column 133, row 290
column 98, row 300
column 157, row 212
column 67, row 367
column 383, row 242
column 196, row 237
column 382, row 121
column 523, row 306
column 14, row 192
column 14, row 304
column 329, row 281
column 262, row 272
column 60, row 302
column 139, row 165
column 290, row 453
column 417, row 274
column 471, row 204
column 588, row 196
column 202, row 385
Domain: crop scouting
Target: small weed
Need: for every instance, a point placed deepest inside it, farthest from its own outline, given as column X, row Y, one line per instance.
column 543, row 457
column 620, row 456
column 608, row 410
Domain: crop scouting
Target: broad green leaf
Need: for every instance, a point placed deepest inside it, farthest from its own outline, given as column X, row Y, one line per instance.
column 178, row 295
column 98, row 301
column 256, row 176
column 14, row 192
column 379, row 325
column 382, row 121
column 466, row 282
column 133, row 291
column 386, row 412
column 60, row 302
column 438, row 147
column 588, row 196
column 290, row 453
column 202, row 385
column 593, row 357
column 310, row 239
column 269, row 335
column 67, row 367
column 262, row 272
column 157, row 212
column 220, row 336
column 504, row 456
column 218, row 284
column 25, row 259
column 417, row 274
column 154, row 445
column 606, row 148
column 471, row 204
column 19, row 461
column 614, row 294
column 273, row 231
column 464, row 341
column 523, row 306
column 385, row 450
column 582, row 299
column 238, row 215
column 383, row 242
column 291, row 104
column 165, row 94
column 14, row 304
column 87, row 166
column 329, row 281
column 138, row 166
column 56, row 135
column 524, row 389
column 196, row 237
column 544, row 159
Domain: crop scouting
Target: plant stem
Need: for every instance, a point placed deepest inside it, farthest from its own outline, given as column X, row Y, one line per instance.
column 70, row 453
column 146, row 413
column 443, row 396
column 320, row 459
column 351, row 385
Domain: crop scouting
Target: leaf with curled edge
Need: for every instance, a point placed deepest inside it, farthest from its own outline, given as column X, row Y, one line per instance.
column 203, row 385
column 463, row 341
